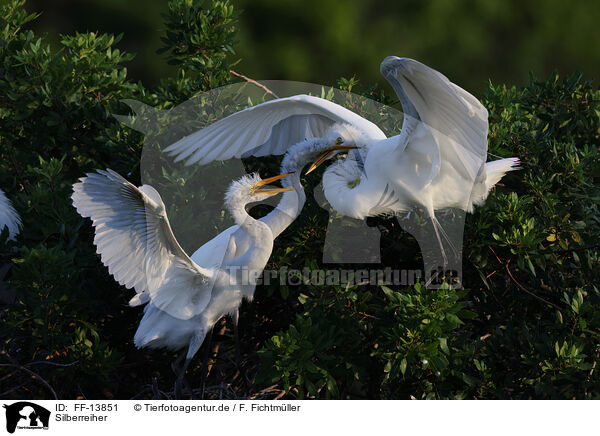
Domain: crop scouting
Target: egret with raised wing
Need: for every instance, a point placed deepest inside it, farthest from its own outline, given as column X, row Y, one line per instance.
column 437, row 161
column 186, row 296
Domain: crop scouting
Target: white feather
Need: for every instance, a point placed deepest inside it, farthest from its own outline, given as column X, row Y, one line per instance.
column 9, row 217
column 267, row 128
column 136, row 243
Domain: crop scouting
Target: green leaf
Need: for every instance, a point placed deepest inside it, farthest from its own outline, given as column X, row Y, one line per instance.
column 444, row 345
column 531, row 268
column 454, row 319
column 403, row 364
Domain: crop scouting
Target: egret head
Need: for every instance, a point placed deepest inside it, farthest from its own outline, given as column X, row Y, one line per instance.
column 344, row 133
column 340, row 138
column 298, row 155
column 252, row 188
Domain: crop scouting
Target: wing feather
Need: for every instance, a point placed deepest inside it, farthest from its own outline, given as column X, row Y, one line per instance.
column 269, row 127
column 9, row 217
column 457, row 120
column 136, row 243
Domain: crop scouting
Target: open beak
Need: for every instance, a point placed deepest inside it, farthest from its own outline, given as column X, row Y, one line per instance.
column 328, row 153
column 258, row 188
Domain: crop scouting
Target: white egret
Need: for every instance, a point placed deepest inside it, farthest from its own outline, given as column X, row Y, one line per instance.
column 185, row 296
column 9, row 217
column 437, row 161
column 133, row 236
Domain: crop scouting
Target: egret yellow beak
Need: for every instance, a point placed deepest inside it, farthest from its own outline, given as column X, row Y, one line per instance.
column 328, row 153
column 258, row 188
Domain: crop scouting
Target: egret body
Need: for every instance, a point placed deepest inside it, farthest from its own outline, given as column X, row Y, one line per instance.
column 184, row 299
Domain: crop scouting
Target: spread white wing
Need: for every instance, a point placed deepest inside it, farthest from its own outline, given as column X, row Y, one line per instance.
column 456, row 119
column 267, row 128
column 8, row 217
column 136, row 243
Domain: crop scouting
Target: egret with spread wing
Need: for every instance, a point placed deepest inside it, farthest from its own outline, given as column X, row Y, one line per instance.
column 186, row 295
column 437, row 161
column 9, row 217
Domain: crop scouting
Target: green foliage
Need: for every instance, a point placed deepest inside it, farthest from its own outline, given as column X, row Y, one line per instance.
column 319, row 40
column 59, row 303
column 195, row 32
column 199, row 36
column 348, row 342
column 528, row 327
column 469, row 40
column 525, row 326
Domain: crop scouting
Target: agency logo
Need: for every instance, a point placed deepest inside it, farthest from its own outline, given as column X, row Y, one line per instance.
column 26, row 415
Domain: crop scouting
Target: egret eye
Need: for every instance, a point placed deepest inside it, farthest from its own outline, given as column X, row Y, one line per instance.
column 339, row 141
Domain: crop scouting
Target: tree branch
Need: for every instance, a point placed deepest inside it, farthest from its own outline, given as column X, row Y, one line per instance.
column 34, row 375
column 254, row 82
column 505, row 264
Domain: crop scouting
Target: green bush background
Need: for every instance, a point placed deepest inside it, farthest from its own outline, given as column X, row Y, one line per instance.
column 320, row 40
column 525, row 326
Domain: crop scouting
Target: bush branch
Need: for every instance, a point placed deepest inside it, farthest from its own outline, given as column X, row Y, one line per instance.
column 254, row 82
